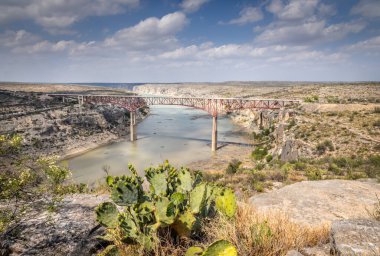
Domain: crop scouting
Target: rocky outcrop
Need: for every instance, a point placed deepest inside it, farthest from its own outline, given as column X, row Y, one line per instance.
column 49, row 126
column 71, row 230
column 289, row 151
column 355, row 237
column 316, row 202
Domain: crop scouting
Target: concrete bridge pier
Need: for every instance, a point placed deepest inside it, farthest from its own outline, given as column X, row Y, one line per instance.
column 214, row 135
column 132, row 121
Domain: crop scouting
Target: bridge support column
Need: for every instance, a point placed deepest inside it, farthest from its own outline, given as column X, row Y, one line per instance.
column 214, row 135
column 132, row 122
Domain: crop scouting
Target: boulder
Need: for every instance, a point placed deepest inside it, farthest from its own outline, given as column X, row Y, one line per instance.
column 71, row 230
column 315, row 202
column 289, row 151
column 355, row 237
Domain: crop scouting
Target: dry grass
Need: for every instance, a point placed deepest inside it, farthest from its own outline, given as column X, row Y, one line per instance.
column 374, row 213
column 265, row 234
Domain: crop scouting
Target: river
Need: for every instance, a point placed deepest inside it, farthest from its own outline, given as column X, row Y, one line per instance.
column 179, row 134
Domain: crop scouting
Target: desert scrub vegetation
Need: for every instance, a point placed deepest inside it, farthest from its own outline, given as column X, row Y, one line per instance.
column 28, row 182
column 167, row 216
column 267, row 234
column 324, row 146
column 311, row 99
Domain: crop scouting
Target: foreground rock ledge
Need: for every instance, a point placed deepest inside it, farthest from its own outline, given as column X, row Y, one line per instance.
column 355, row 237
column 70, row 231
column 316, row 202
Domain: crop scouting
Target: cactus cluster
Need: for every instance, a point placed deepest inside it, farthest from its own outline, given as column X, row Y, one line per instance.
column 176, row 199
column 218, row 248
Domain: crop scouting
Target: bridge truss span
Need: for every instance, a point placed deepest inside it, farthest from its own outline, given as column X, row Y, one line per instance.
column 214, row 106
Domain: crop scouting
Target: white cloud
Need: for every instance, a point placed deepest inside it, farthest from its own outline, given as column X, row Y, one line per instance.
column 367, row 8
column 366, row 45
column 149, row 34
column 12, row 39
column 192, row 5
column 248, row 15
column 275, row 6
column 60, row 13
column 294, row 10
column 308, row 32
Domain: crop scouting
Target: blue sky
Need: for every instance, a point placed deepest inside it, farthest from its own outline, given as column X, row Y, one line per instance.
column 189, row 40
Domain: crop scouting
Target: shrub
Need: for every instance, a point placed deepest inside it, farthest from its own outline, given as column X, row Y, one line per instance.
column 311, row 99
column 269, row 158
column 233, row 166
column 176, row 201
column 375, row 212
column 314, row 174
column 26, row 180
column 323, row 146
column 258, row 186
column 335, row 169
column 259, row 153
column 291, row 123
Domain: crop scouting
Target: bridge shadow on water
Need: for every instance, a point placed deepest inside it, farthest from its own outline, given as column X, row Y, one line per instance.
column 221, row 144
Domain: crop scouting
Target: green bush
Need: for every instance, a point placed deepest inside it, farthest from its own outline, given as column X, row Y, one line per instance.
column 233, row 166
column 259, row 153
column 27, row 181
column 269, row 158
column 314, row 174
column 311, row 99
column 176, row 200
column 324, row 146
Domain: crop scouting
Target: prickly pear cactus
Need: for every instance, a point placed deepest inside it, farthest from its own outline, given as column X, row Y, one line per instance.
column 194, row 251
column 175, row 200
column 218, row 248
column 107, row 214
column 221, row 248
column 226, row 203
column 185, row 182
column 198, row 198
column 164, row 211
column 184, row 224
column 158, row 181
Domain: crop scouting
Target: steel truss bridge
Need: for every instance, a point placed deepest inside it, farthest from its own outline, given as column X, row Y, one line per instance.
column 214, row 106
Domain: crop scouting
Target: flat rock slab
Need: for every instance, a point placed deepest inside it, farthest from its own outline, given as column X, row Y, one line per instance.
column 355, row 237
column 72, row 230
column 316, row 202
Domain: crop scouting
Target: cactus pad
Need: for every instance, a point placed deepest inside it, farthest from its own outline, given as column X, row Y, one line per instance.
column 226, row 203
column 107, row 214
column 221, row 248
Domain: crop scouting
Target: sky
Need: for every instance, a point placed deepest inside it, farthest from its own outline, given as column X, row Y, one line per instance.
column 131, row 41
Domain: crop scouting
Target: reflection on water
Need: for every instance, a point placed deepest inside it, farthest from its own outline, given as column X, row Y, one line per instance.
column 179, row 134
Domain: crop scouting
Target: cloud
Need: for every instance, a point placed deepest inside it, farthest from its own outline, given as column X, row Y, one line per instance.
column 367, row 8
column 248, row 15
column 294, row 10
column 12, row 39
column 60, row 13
column 149, row 34
column 308, row 32
column 366, row 45
column 192, row 5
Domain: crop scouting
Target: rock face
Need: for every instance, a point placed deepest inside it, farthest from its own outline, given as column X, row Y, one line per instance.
column 314, row 202
column 72, row 230
column 355, row 237
column 289, row 151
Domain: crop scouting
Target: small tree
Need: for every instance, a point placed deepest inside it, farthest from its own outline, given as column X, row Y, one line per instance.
column 233, row 166
column 26, row 180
